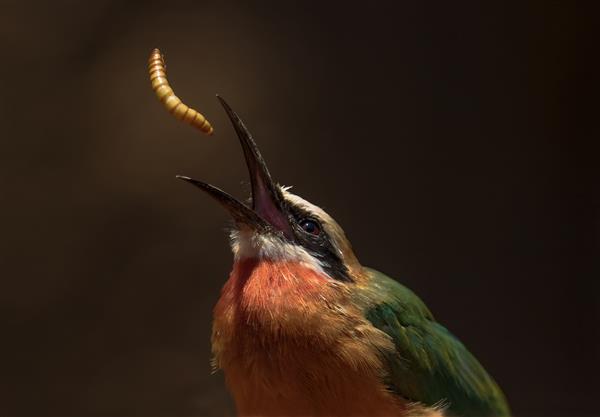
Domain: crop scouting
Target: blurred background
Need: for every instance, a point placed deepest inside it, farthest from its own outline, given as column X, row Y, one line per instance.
column 452, row 140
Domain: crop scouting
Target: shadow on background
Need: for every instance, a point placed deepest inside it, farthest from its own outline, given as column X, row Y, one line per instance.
column 452, row 141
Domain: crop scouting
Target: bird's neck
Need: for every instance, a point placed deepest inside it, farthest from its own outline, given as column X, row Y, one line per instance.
column 266, row 293
column 284, row 353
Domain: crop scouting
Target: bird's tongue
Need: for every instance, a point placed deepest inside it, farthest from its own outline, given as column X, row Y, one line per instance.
column 266, row 206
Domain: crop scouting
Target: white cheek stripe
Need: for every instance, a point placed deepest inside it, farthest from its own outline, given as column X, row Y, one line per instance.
column 247, row 244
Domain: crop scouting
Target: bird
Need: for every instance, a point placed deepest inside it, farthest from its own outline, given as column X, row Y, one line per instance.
column 302, row 328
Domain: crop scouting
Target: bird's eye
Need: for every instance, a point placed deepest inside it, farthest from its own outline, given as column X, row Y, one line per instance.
column 311, row 227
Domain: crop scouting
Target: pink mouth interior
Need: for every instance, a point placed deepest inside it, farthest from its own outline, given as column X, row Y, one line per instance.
column 266, row 208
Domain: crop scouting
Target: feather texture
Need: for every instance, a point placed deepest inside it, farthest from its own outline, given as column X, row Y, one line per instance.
column 292, row 344
column 428, row 364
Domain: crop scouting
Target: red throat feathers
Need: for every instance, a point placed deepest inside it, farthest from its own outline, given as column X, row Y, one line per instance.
column 291, row 343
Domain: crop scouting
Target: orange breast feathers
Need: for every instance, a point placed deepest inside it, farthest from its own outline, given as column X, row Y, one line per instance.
column 264, row 297
column 291, row 342
column 263, row 290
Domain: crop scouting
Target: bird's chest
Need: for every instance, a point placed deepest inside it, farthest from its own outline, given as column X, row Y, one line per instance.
column 283, row 354
column 293, row 378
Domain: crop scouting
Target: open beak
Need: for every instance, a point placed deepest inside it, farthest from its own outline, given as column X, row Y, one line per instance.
column 268, row 208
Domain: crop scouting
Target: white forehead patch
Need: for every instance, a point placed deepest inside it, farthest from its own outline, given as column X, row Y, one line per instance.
column 306, row 206
column 333, row 230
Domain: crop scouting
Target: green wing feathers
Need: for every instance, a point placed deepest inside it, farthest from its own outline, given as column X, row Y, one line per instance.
column 429, row 365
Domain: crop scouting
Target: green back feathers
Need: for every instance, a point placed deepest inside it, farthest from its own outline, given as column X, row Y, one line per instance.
column 429, row 365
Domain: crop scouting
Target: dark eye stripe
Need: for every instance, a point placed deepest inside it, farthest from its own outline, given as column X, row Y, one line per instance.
column 318, row 245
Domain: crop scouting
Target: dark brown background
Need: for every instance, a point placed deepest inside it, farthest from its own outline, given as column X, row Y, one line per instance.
column 452, row 140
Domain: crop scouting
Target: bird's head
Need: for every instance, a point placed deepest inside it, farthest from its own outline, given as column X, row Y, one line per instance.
column 278, row 225
column 290, row 255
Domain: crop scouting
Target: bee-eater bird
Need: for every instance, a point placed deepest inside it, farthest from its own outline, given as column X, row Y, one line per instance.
column 303, row 329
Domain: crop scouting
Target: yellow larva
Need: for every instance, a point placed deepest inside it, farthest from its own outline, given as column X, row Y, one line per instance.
column 158, row 77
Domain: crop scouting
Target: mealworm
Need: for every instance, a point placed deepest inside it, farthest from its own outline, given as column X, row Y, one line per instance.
column 158, row 77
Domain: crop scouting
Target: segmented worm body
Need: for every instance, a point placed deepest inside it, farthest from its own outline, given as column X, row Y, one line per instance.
column 158, row 77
